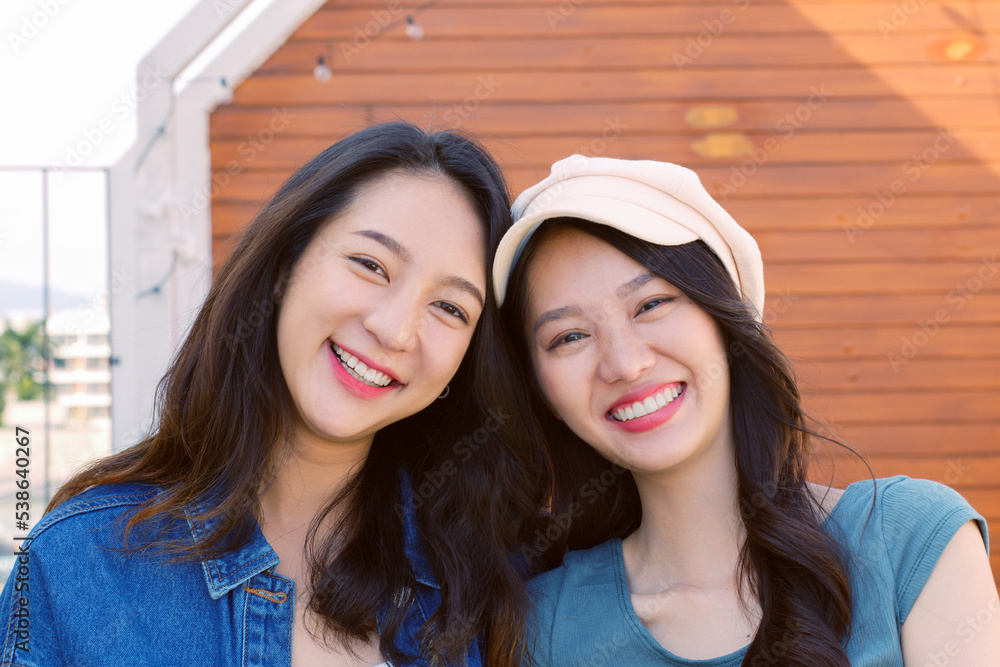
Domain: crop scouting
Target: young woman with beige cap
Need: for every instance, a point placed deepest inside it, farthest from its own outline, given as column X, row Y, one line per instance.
column 679, row 454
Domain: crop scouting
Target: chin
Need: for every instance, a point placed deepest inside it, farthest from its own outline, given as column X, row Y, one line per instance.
column 650, row 462
column 337, row 432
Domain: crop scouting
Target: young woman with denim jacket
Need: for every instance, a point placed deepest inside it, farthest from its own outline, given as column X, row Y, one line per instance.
column 337, row 475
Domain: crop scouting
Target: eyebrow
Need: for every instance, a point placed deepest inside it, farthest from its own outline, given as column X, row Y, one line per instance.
column 465, row 286
column 633, row 285
column 566, row 311
column 392, row 244
column 398, row 249
column 555, row 314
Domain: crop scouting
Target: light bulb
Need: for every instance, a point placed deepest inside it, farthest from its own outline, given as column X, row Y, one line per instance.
column 226, row 96
column 321, row 71
column 414, row 30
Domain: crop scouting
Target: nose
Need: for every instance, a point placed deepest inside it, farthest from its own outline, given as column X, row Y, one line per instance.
column 624, row 356
column 395, row 320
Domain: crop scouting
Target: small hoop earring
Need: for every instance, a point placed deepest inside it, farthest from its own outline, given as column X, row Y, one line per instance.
column 447, row 390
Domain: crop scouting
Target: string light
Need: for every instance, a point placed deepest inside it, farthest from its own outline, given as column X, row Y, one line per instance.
column 226, row 96
column 321, row 71
column 413, row 29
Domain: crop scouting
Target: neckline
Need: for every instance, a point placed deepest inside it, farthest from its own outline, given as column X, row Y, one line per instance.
column 642, row 632
column 632, row 619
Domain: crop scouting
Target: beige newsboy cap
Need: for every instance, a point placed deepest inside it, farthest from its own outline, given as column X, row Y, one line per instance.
column 659, row 202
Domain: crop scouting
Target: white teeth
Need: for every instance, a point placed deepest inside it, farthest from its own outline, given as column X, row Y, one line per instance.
column 359, row 370
column 346, row 357
column 650, row 405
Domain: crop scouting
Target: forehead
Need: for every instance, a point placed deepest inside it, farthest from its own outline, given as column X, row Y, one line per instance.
column 428, row 214
column 571, row 265
column 401, row 198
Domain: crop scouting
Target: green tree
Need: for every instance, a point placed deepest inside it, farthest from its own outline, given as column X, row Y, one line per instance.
column 22, row 364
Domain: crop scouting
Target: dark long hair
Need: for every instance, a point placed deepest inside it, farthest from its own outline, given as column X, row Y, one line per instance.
column 797, row 571
column 224, row 416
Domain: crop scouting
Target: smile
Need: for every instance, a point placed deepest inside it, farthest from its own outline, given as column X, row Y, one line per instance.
column 650, row 405
column 359, row 371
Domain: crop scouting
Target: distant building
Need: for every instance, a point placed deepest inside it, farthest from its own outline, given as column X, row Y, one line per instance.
column 80, row 370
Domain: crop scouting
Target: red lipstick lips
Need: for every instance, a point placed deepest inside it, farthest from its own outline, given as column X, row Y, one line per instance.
column 647, row 408
column 356, row 386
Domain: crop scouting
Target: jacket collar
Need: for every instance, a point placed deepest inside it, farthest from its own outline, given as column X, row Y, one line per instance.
column 234, row 568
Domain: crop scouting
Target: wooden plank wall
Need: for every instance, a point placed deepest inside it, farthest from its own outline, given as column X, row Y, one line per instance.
column 858, row 141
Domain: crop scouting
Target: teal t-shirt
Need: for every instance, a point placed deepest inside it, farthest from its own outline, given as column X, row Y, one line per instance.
column 583, row 612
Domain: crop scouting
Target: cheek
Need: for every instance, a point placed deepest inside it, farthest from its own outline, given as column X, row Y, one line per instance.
column 561, row 393
column 285, row 330
column 713, row 372
column 448, row 348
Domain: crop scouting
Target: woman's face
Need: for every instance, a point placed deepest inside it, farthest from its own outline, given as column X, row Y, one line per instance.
column 380, row 309
column 628, row 362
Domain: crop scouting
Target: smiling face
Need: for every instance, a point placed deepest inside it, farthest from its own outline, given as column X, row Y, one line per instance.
column 624, row 358
column 380, row 308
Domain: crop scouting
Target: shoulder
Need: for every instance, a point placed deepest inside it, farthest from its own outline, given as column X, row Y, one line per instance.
column 72, row 573
column 902, row 487
column 903, row 525
column 582, row 570
column 95, row 507
column 581, row 566
column 573, row 585
column 902, row 505
column 918, row 518
column 825, row 498
column 102, row 498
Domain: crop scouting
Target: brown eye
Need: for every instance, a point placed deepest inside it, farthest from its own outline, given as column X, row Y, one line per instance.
column 453, row 310
column 371, row 265
column 653, row 303
column 568, row 338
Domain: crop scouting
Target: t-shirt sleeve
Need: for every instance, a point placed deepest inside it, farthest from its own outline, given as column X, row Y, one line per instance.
column 919, row 517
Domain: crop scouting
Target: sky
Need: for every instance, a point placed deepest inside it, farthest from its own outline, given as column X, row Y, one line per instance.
column 67, row 70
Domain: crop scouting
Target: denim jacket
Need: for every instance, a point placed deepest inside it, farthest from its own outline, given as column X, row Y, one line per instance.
column 73, row 600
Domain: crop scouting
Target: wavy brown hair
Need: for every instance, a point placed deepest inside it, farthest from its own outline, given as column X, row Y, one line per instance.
column 224, row 417
column 794, row 568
